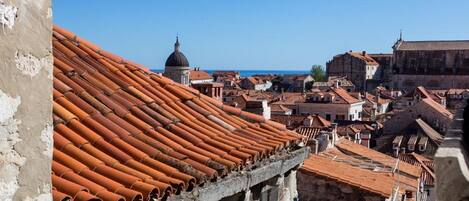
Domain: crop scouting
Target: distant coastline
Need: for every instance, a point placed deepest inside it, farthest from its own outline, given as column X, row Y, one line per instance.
column 247, row 73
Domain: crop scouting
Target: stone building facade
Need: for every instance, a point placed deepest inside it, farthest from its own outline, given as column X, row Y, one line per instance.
column 385, row 63
column 432, row 64
column 359, row 67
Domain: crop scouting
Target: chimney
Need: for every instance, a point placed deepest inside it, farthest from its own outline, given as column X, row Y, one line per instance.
column 336, row 84
column 363, row 53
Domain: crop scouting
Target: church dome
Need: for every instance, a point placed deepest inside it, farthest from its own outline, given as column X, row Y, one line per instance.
column 177, row 58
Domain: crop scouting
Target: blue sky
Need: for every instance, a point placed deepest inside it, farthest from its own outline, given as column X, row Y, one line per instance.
column 258, row 34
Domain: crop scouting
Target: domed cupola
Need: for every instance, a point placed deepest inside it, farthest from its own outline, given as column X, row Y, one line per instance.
column 177, row 66
column 177, row 58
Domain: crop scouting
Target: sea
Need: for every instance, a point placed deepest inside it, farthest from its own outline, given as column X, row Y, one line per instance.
column 247, row 73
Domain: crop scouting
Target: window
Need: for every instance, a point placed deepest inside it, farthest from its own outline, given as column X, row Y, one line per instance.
column 328, row 117
column 359, row 114
column 351, row 117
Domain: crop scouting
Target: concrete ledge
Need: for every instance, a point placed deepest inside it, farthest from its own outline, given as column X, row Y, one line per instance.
column 243, row 180
column 452, row 166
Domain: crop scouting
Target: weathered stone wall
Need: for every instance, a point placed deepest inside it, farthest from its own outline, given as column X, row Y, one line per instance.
column 437, row 62
column 25, row 99
column 355, row 69
column 275, row 179
column 402, row 81
column 312, row 188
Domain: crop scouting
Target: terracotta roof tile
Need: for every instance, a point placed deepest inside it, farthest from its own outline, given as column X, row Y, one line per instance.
column 428, row 175
column 437, row 107
column 384, row 159
column 363, row 56
column 199, row 75
column 122, row 132
column 363, row 179
column 344, row 95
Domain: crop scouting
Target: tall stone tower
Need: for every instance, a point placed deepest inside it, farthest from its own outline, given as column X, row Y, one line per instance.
column 177, row 66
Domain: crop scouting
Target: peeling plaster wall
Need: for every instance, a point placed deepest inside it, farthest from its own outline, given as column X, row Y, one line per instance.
column 25, row 99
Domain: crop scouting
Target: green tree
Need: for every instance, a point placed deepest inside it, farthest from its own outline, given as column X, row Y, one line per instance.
column 318, row 73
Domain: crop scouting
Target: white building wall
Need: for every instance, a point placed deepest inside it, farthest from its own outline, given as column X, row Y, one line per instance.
column 201, row 81
column 355, row 111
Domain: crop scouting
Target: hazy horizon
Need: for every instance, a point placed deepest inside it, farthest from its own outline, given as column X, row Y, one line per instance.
column 265, row 35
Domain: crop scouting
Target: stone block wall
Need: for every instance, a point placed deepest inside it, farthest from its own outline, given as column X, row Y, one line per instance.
column 402, row 81
column 25, row 99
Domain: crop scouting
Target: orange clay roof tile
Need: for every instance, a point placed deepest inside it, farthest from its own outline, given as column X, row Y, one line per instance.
column 125, row 133
column 384, row 159
column 356, row 177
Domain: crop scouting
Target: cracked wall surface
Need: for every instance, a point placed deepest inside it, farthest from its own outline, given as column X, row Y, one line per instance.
column 25, row 99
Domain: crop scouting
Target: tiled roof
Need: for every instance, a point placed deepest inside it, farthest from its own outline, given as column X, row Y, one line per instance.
column 363, row 179
column 341, row 81
column 344, row 95
column 318, row 121
column 457, row 91
column 379, row 100
column 425, row 94
column 406, row 183
column 433, row 45
column 295, row 121
column 254, row 80
column 289, row 98
column 364, row 57
column 384, row 159
column 294, row 77
column 279, row 108
column 121, row 132
column 291, row 121
column 308, row 132
column 348, row 130
column 428, row 175
column 199, row 75
column 430, row 132
column 437, row 107
column 226, row 73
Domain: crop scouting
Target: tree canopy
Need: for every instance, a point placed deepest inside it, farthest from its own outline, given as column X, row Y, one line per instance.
column 318, row 73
